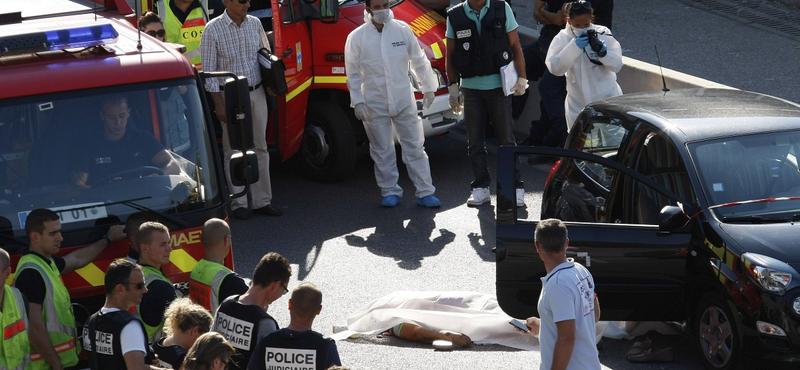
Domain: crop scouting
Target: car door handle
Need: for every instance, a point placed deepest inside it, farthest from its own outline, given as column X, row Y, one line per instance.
column 287, row 52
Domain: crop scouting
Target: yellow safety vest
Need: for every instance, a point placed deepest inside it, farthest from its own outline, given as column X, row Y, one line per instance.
column 152, row 274
column 15, row 350
column 204, row 283
column 187, row 33
column 56, row 313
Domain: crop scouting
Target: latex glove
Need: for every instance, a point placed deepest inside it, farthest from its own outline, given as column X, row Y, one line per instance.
column 582, row 41
column 427, row 100
column 604, row 50
column 519, row 88
column 456, row 100
column 361, row 111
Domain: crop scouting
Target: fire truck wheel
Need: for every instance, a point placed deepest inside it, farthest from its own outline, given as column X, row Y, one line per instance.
column 328, row 152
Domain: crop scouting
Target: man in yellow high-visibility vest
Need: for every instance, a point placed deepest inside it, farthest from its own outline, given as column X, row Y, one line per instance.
column 15, row 348
column 184, row 21
column 38, row 277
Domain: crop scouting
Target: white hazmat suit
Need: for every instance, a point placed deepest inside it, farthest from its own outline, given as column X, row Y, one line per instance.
column 377, row 65
column 586, row 82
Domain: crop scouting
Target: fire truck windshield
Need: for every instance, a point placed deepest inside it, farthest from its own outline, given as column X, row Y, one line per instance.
column 97, row 156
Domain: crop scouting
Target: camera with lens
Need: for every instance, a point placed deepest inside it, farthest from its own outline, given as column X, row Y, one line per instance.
column 595, row 43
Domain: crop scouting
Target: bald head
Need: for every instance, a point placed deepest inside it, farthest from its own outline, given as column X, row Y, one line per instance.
column 215, row 232
column 306, row 301
column 5, row 260
column 5, row 266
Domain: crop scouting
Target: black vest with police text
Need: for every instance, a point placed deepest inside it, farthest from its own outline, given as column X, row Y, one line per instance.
column 106, row 350
column 238, row 323
column 484, row 54
column 286, row 349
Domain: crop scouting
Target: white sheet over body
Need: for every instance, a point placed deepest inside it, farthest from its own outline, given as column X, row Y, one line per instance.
column 475, row 314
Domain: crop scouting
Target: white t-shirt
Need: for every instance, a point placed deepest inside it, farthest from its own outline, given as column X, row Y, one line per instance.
column 131, row 338
column 568, row 294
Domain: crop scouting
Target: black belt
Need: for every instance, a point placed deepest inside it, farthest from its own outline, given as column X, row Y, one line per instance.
column 222, row 88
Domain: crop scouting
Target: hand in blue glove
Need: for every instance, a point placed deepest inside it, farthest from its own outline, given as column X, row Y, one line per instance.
column 604, row 49
column 582, row 41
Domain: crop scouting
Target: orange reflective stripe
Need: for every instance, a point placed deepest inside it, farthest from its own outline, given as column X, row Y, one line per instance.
column 63, row 347
column 14, row 329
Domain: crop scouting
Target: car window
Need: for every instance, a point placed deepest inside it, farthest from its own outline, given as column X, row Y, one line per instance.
column 579, row 188
column 601, row 136
column 660, row 160
column 747, row 168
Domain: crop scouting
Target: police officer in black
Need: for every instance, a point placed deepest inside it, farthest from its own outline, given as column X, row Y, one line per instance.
column 297, row 346
column 115, row 338
column 242, row 319
column 481, row 39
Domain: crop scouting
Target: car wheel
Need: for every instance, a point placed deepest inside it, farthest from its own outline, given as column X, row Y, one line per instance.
column 717, row 334
column 329, row 146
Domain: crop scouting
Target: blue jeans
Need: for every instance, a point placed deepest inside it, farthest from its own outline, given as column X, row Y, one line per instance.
column 478, row 105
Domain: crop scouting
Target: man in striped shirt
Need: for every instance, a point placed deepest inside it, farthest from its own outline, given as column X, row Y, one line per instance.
column 231, row 42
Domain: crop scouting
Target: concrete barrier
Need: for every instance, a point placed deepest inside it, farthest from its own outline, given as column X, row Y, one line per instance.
column 635, row 76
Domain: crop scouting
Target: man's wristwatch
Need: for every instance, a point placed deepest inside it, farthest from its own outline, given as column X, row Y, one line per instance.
column 452, row 83
column 107, row 239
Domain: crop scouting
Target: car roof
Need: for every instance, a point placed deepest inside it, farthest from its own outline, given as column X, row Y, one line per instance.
column 698, row 114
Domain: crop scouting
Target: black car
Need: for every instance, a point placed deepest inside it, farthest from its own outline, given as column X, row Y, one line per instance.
column 684, row 206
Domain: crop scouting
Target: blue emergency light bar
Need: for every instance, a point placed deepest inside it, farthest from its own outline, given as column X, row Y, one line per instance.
column 59, row 39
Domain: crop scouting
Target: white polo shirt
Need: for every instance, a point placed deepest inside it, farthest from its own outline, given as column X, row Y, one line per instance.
column 568, row 294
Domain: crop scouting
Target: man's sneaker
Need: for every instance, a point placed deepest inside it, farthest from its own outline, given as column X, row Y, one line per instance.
column 520, row 197
column 479, row 196
column 429, row 201
column 390, row 201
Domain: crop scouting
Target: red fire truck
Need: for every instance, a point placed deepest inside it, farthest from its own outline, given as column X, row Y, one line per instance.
column 55, row 72
column 314, row 120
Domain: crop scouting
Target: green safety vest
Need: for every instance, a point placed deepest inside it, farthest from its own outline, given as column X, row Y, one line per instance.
column 56, row 313
column 204, row 283
column 15, row 350
column 152, row 274
column 187, row 33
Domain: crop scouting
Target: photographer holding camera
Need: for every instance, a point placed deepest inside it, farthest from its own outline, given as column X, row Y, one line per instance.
column 588, row 55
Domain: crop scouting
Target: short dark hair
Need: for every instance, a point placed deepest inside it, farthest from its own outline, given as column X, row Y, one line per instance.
column 113, row 99
column 551, row 234
column 147, row 18
column 134, row 221
column 306, row 300
column 119, row 272
column 272, row 267
column 36, row 219
column 146, row 230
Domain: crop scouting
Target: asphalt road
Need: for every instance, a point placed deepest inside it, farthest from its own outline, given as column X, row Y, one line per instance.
column 338, row 237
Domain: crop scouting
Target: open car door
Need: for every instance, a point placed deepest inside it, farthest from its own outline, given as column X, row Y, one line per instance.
column 639, row 270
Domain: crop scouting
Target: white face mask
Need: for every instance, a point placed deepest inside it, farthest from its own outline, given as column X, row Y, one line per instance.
column 380, row 16
column 578, row 31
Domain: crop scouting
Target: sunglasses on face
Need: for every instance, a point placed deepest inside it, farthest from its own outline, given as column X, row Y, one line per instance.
column 159, row 33
column 139, row 285
column 243, row 1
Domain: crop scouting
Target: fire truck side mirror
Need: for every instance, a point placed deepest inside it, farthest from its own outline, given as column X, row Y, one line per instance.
column 240, row 118
column 329, row 11
column 244, row 168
